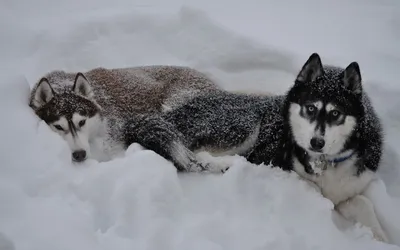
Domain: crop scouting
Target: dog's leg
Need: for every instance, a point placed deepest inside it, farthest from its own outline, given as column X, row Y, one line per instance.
column 385, row 208
column 154, row 133
column 360, row 209
column 216, row 164
column 313, row 185
column 186, row 159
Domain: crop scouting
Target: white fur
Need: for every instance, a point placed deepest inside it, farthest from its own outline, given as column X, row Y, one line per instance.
column 182, row 155
column 340, row 185
column 329, row 107
column 360, row 209
column 187, row 158
column 84, row 134
column 385, row 208
column 304, row 130
column 318, row 105
column 336, row 136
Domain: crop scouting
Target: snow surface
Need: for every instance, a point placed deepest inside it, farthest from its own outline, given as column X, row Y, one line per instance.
column 139, row 201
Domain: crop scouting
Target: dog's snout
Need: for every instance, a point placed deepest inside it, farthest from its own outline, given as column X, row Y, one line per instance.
column 317, row 143
column 79, row 155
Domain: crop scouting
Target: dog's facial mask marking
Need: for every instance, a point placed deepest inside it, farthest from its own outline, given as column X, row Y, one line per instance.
column 72, row 114
column 74, row 131
column 322, row 121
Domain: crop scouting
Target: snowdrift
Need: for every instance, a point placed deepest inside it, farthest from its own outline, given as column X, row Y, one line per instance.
column 139, row 201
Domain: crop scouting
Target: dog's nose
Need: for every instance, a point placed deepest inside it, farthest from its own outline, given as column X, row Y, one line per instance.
column 79, row 155
column 317, row 143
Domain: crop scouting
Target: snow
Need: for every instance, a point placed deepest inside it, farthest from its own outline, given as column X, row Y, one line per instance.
column 139, row 201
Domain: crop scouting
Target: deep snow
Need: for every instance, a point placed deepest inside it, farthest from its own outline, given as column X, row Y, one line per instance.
column 139, row 201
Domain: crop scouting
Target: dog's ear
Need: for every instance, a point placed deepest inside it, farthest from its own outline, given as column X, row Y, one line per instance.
column 311, row 69
column 352, row 78
column 43, row 93
column 82, row 86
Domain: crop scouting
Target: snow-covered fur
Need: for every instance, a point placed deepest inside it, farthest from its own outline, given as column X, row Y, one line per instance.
column 332, row 137
column 219, row 122
column 324, row 128
column 89, row 109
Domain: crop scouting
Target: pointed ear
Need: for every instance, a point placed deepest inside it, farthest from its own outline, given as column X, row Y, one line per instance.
column 82, row 86
column 311, row 69
column 43, row 93
column 352, row 78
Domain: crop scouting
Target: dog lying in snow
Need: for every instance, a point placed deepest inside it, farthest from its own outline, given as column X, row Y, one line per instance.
column 325, row 129
column 89, row 110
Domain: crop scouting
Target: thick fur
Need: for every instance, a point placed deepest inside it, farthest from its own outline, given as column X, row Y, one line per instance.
column 85, row 108
column 278, row 130
column 219, row 122
column 342, row 116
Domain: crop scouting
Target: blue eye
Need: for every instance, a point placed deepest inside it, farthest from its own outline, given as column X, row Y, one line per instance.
column 335, row 113
column 311, row 109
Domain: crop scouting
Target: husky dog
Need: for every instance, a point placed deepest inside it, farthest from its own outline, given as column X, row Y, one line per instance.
column 324, row 128
column 333, row 138
column 89, row 109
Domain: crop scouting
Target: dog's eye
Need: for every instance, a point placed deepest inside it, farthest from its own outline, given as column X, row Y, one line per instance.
column 310, row 109
column 335, row 113
column 82, row 123
column 58, row 127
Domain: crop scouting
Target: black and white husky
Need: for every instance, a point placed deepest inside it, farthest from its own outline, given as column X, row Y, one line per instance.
column 324, row 128
column 332, row 137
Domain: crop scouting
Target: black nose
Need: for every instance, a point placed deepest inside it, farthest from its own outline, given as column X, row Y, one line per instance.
column 317, row 143
column 79, row 155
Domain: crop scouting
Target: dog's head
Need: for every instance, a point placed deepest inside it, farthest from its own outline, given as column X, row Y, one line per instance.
column 324, row 107
column 71, row 112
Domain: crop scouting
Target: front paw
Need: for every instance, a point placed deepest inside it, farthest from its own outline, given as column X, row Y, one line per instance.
column 379, row 235
column 224, row 170
column 195, row 166
column 213, row 168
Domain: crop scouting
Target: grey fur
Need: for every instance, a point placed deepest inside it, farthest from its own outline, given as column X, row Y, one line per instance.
column 220, row 121
column 118, row 94
column 217, row 122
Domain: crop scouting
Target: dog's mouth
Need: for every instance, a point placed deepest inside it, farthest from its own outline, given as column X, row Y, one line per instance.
column 316, row 151
column 78, row 161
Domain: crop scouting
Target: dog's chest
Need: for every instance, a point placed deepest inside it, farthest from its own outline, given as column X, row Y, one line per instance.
column 337, row 182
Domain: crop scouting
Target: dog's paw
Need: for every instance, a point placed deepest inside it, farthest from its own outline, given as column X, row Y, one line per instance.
column 379, row 235
column 224, row 170
column 216, row 168
column 195, row 166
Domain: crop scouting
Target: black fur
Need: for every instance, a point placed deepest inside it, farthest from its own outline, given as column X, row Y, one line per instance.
column 66, row 105
column 156, row 133
column 223, row 120
column 220, row 120
column 342, row 87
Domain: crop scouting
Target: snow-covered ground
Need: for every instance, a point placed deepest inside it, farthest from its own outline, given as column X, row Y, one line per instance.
column 139, row 202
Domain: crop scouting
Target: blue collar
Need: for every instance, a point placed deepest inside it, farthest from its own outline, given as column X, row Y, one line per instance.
column 341, row 159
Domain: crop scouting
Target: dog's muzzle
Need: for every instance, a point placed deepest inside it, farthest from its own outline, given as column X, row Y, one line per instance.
column 79, row 155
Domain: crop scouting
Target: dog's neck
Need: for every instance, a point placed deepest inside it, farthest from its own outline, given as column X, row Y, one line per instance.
column 333, row 159
column 316, row 163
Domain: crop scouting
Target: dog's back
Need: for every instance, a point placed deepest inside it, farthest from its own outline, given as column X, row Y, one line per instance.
column 95, row 104
column 138, row 89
